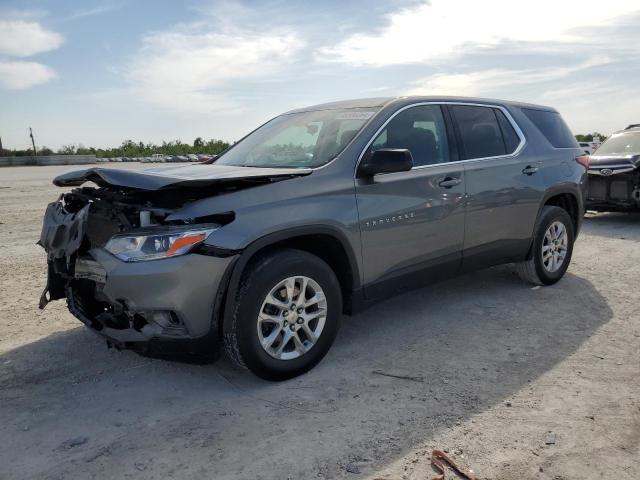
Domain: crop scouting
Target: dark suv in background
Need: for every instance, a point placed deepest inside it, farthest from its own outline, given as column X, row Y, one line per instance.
column 614, row 173
column 319, row 212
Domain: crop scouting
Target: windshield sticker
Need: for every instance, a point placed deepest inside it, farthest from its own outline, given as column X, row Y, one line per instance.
column 355, row 115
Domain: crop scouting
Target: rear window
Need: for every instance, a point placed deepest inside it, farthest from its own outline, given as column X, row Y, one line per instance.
column 552, row 127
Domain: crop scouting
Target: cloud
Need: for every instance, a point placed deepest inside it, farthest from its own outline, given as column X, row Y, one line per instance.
column 90, row 12
column 439, row 29
column 21, row 38
column 191, row 69
column 582, row 92
column 22, row 14
column 489, row 81
column 20, row 75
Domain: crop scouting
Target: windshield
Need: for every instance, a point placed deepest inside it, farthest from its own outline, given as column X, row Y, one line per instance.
column 298, row 140
column 623, row 143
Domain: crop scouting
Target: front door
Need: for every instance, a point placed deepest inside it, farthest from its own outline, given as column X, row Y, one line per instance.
column 412, row 223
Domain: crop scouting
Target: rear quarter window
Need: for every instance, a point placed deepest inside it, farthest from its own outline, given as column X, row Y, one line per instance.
column 511, row 139
column 552, row 126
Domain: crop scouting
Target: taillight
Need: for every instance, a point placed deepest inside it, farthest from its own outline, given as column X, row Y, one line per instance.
column 584, row 161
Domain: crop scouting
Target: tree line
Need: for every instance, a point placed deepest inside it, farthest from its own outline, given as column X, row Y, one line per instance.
column 590, row 136
column 129, row 148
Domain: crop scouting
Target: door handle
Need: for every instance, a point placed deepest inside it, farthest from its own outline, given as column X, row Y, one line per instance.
column 449, row 182
column 529, row 170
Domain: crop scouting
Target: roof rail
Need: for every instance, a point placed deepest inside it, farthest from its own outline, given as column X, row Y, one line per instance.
column 633, row 125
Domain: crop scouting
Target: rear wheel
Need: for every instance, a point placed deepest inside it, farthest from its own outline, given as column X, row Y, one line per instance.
column 552, row 248
column 287, row 314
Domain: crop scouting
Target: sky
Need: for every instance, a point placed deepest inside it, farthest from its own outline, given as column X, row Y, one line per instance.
column 99, row 72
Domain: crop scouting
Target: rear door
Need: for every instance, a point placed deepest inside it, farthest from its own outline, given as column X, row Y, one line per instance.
column 412, row 223
column 504, row 188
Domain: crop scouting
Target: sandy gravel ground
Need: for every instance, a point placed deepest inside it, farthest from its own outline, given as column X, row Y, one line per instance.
column 501, row 365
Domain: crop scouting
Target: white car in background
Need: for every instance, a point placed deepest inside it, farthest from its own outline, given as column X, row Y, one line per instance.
column 589, row 147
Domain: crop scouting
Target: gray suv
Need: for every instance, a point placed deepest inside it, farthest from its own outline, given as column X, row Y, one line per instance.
column 319, row 212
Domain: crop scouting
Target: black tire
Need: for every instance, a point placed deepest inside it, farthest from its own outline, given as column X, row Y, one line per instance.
column 533, row 269
column 242, row 343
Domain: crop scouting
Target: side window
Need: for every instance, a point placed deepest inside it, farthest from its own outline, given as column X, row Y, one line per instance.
column 480, row 131
column 511, row 139
column 419, row 129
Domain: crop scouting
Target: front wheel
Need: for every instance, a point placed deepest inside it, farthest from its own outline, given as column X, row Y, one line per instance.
column 287, row 314
column 552, row 248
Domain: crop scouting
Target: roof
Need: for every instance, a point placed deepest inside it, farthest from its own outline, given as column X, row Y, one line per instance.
column 356, row 103
column 383, row 101
column 629, row 129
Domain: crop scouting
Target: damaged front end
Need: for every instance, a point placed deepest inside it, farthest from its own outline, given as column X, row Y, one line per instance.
column 139, row 280
column 125, row 272
column 87, row 219
column 614, row 183
column 132, row 266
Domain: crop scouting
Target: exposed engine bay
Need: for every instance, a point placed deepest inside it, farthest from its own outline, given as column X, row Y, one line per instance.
column 87, row 217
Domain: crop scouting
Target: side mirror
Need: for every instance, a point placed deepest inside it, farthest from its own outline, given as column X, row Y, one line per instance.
column 387, row 160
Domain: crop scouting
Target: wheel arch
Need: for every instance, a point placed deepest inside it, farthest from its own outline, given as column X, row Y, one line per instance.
column 327, row 243
column 567, row 197
column 568, row 200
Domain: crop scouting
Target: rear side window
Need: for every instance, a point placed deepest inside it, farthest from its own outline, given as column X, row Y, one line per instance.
column 552, row 127
column 509, row 135
column 481, row 132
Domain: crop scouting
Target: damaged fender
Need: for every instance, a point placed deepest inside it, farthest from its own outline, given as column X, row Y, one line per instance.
column 61, row 237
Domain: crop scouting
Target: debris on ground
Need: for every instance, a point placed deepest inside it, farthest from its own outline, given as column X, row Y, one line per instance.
column 352, row 468
column 73, row 442
column 439, row 459
column 550, row 438
column 417, row 378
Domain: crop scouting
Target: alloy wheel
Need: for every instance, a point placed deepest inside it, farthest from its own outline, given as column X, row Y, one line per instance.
column 292, row 317
column 554, row 246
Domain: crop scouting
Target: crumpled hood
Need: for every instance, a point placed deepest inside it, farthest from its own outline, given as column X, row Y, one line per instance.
column 168, row 177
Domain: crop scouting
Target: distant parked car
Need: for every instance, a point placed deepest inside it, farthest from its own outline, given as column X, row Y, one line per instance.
column 192, row 157
column 205, row 158
column 614, row 173
column 589, row 147
column 182, row 158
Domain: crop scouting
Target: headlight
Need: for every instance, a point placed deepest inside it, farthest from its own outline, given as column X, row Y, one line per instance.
column 152, row 244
